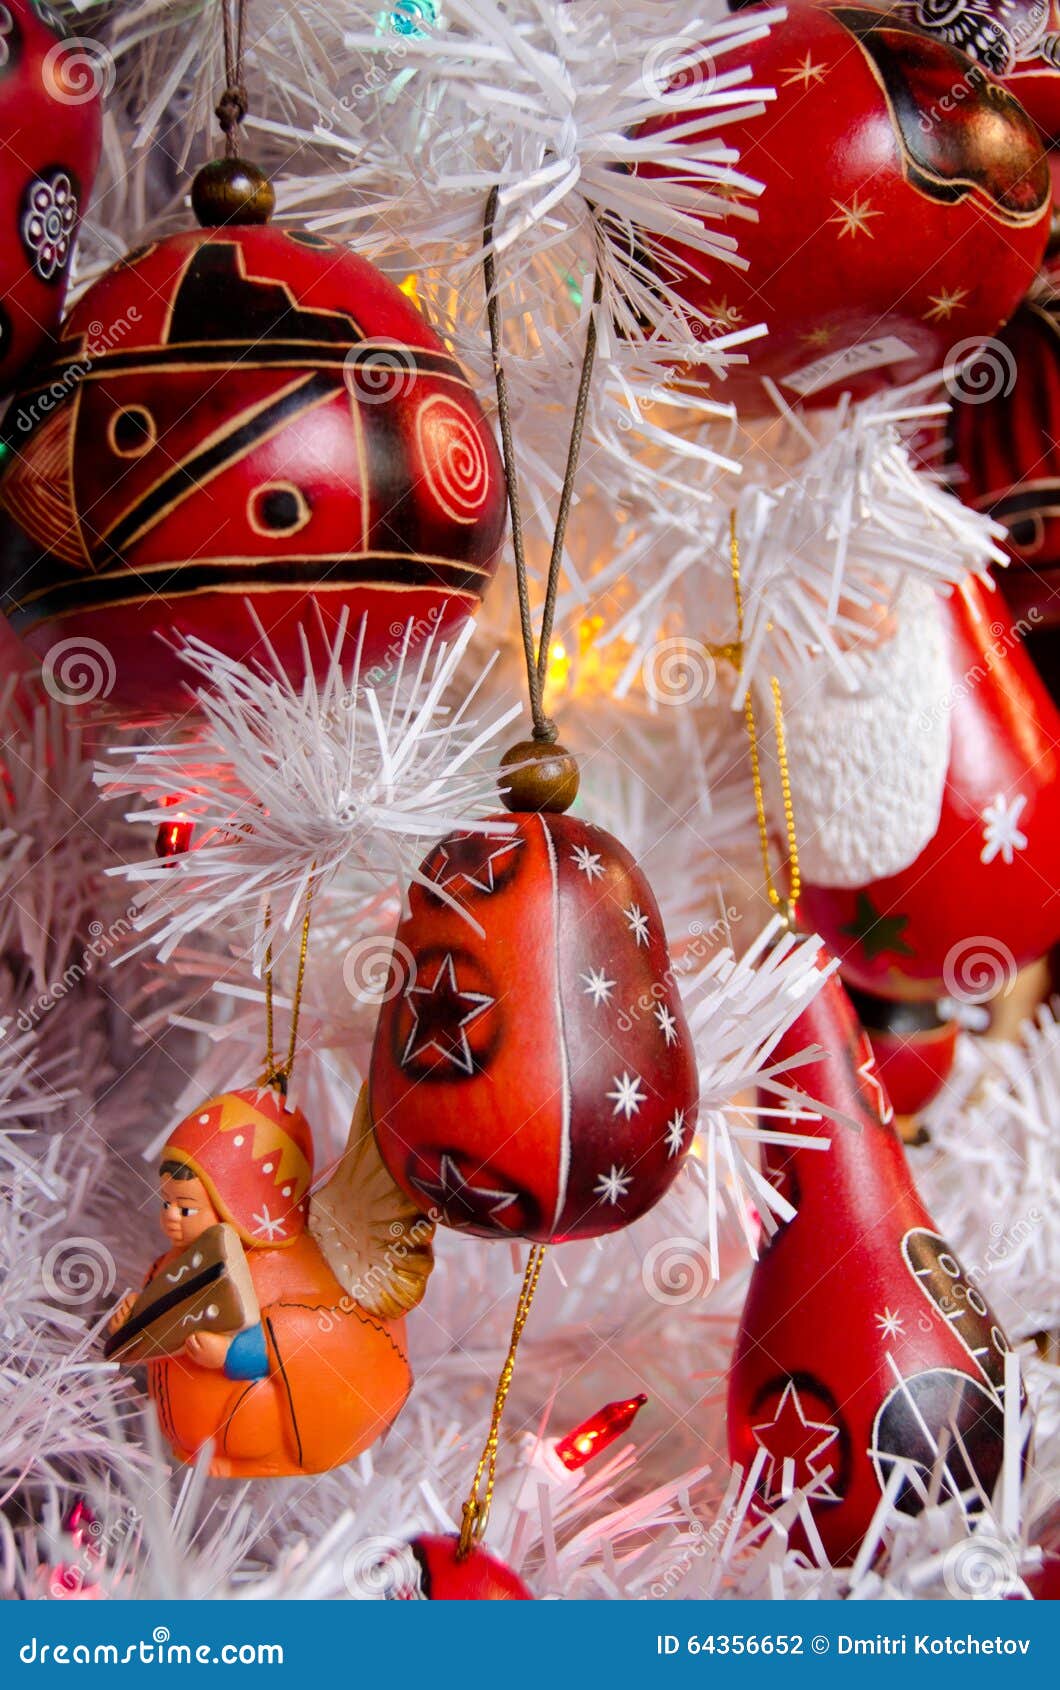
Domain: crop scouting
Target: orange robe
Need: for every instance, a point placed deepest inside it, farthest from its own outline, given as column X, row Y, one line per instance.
column 337, row 1377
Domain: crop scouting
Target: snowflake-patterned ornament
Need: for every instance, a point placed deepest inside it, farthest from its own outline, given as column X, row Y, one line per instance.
column 536, row 1077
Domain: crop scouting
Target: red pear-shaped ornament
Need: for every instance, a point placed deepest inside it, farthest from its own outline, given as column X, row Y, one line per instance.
column 536, row 1077
column 983, row 897
column 431, row 1569
column 863, row 1345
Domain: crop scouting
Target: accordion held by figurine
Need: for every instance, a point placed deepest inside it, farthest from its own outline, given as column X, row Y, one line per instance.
column 206, row 1289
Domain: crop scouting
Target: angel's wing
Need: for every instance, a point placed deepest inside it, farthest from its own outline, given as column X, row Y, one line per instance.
column 376, row 1242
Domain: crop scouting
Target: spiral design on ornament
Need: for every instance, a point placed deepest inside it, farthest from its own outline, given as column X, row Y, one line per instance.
column 678, row 671
column 977, row 969
column 77, row 70
column 78, row 671
column 377, row 969
column 77, row 1271
column 977, row 371
column 676, row 1271
column 453, row 457
column 381, row 1567
column 981, row 1567
column 678, row 71
column 377, row 373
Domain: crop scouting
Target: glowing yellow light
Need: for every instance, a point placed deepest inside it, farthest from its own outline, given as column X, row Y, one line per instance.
column 558, row 665
column 410, row 289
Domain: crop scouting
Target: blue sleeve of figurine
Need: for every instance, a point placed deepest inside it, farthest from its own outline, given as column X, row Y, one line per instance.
column 247, row 1357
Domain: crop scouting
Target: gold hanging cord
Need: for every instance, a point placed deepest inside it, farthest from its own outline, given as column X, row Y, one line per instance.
column 785, row 906
column 477, row 1506
column 279, row 1074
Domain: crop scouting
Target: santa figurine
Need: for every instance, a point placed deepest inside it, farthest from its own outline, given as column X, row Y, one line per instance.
column 273, row 1330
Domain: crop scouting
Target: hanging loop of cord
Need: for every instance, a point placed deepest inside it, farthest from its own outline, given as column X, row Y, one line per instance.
column 232, row 107
column 278, row 1074
column 785, row 906
column 536, row 657
column 480, row 1496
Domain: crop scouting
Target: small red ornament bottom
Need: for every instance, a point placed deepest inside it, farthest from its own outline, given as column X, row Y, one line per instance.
column 479, row 1577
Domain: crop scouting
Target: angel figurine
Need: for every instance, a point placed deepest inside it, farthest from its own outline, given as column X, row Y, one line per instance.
column 273, row 1328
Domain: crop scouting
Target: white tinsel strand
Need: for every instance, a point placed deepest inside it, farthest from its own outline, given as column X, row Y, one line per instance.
column 289, row 785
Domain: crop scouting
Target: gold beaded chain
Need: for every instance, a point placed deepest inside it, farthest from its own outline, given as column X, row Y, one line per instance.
column 279, row 1074
column 477, row 1507
column 734, row 653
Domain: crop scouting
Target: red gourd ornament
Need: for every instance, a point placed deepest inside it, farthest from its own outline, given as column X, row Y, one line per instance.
column 51, row 86
column 536, row 1077
column 983, row 897
column 891, row 227
column 914, row 1047
column 270, row 429
column 862, row 1343
column 1003, row 441
column 435, row 1571
column 1018, row 41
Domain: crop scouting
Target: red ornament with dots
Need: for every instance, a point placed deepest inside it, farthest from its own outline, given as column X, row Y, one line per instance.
column 267, row 428
column 51, row 87
column 536, row 1077
column 891, row 228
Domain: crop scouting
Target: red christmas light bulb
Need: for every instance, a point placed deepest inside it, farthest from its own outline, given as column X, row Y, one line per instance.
column 597, row 1433
column 174, row 838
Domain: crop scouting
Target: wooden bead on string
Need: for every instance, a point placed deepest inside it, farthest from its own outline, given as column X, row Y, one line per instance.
column 538, row 776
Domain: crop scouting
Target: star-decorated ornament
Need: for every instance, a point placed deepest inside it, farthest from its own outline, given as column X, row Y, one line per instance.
column 536, row 1077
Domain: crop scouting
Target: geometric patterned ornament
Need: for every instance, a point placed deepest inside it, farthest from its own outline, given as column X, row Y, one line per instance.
column 51, row 83
column 535, row 1077
column 263, row 423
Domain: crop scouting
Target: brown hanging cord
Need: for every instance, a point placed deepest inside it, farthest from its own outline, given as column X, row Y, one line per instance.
column 477, row 1506
column 278, row 1075
column 231, row 108
column 785, row 906
column 536, row 661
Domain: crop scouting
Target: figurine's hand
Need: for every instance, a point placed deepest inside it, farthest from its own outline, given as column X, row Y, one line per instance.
column 122, row 1312
column 208, row 1349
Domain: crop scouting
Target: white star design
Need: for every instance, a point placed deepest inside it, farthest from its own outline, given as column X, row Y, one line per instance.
column 1001, row 833
column 588, row 862
column 867, row 1072
column 451, row 1190
column 269, row 1226
column 667, row 1023
column 638, row 923
column 890, row 1324
column 597, row 986
column 627, row 1095
column 792, row 1439
column 805, row 72
column 675, row 1133
column 614, row 1185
